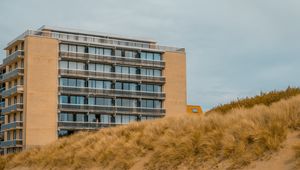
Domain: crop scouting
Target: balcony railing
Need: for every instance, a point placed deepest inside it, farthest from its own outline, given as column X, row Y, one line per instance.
column 97, row 40
column 111, row 59
column 13, row 56
column 13, row 90
column 110, row 109
column 14, row 73
column 13, row 125
column 111, row 76
column 11, row 108
column 110, row 92
column 11, row 143
column 84, row 125
column 2, row 105
column 2, row 118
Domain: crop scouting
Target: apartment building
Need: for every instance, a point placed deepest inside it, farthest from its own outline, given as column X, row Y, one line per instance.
column 56, row 81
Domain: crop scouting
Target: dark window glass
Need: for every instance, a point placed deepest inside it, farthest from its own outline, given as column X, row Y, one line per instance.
column 118, row 85
column 92, row 50
column 143, row 55
column 157, row 57
column 63, row 99
column 80, row 49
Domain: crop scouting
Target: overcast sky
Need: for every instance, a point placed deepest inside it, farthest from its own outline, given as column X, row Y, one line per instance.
column 234, row 48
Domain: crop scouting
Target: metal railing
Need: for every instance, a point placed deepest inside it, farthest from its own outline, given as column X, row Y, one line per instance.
column 12, row 90
column 14, row 107
column 2, row 104
column 111, row 59
column 12, row 125
column 15, row 72
column 109, row 109
column 2, row 118
column 112, row 76
column 13, row 56
column 11, row 143
column 84, row 125
column 97, row 40
column 110, row 92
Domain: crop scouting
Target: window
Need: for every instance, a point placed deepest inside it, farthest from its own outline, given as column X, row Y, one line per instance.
column 63, row 64
column 63, row 99
column 64, row 47
column 100, row 67
column 105, row 118
column 98, row 84
column 63, row 117
column 100, row 101
column 79, row 117
column 151, row 103
column 126, row 102
column 157, row 57
column 72, row 82
column 72, row 65
column 20, row 134
column 107, row 52
column 118, row 53
column 118, row 119
column 126, row 70
column 92, row 50
column 91, row 118
column 130, row 54
column 150, row 72
column 126, row 86
column 72, row 48
column 150, row 56
column 80, row 49
column 99, row 51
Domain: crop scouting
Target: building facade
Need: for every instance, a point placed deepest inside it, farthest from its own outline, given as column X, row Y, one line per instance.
column 56, row 81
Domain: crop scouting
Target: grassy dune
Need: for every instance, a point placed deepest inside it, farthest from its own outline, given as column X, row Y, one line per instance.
column 232, row 141
column 297, row 155
column 264, row 98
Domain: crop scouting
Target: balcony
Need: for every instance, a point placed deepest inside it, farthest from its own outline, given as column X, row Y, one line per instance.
column 13, row 125
column 2, row 105
column 111, row 59
column 111, row 76
column 14, row 73
column 11, row 143
column 84, row 125
column 12, row 108
column 110, row 109
column 2, row 118
column 13, row 90
column 13, row 57
column 110, row 92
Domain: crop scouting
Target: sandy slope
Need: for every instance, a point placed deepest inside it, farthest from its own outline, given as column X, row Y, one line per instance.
column 282, row 160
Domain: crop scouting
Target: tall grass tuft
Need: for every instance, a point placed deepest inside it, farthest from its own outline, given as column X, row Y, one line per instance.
column 264, row 98
column 186, row 142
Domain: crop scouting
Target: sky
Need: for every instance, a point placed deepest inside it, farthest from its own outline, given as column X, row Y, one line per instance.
column 234, row 48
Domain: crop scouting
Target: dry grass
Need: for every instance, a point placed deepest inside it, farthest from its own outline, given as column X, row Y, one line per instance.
column 264, row 98
column 189, row 142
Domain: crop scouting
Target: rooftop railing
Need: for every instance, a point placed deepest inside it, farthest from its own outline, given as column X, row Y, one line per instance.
column 96, row 40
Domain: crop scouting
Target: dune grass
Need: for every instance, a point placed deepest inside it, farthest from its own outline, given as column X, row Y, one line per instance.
column 264, row 98
column 190, row 142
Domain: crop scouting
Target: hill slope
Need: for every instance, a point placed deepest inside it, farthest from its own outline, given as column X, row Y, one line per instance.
column 229, row 141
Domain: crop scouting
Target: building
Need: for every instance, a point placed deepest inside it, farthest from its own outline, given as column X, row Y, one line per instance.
column 194, row 109
column 57, row 81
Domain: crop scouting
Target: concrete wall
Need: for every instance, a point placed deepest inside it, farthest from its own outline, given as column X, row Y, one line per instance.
column 40, row 90
column 175, row 87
